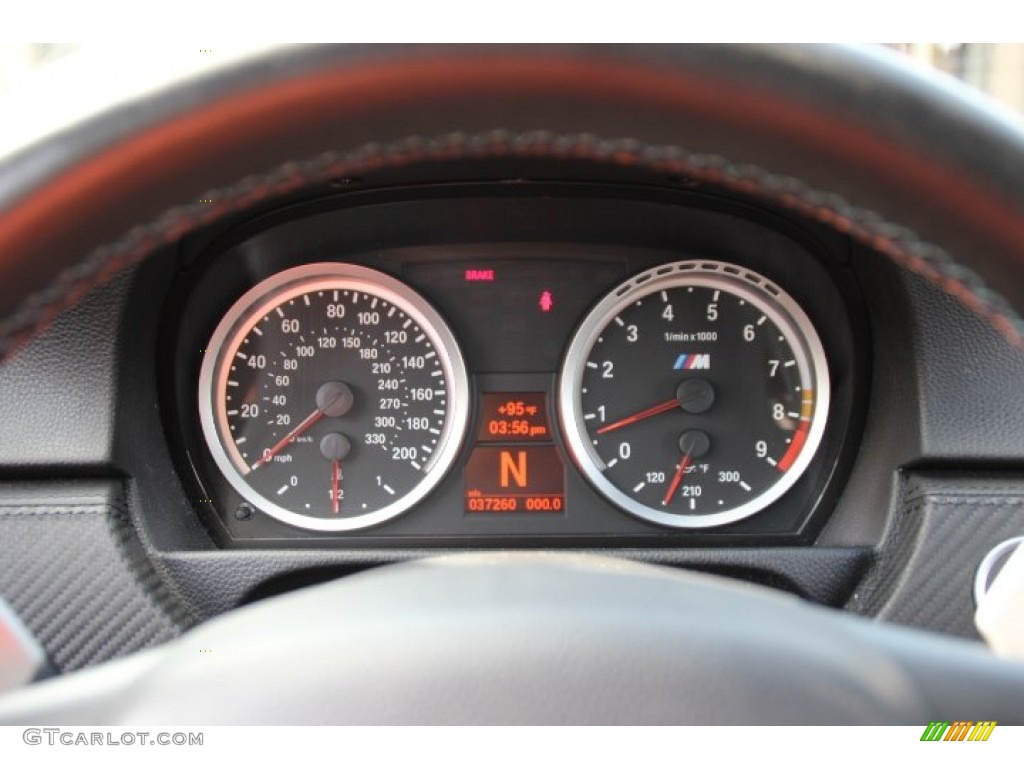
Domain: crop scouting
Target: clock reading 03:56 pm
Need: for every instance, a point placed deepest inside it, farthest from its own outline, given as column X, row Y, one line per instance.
column 333, row 397
column 695, row 395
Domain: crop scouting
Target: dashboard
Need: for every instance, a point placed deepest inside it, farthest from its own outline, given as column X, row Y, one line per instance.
column 548, row 310
column 909, row 423
column 583, row 365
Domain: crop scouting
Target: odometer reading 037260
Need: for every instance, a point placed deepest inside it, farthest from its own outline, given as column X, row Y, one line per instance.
column 333, row 397
column 694, row 395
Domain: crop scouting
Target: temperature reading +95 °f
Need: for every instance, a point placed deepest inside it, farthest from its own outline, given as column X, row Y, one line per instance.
column 519, row 417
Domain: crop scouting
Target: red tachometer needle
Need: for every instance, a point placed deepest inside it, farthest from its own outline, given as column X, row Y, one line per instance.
column 335, row 476
column 668, row 405
column 680, row 469
column 308, row 422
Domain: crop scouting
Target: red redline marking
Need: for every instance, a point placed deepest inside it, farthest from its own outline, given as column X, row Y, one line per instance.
column 799, row 438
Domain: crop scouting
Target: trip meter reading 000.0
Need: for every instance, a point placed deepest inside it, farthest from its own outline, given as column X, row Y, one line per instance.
column 694, row 395
column 333, row 397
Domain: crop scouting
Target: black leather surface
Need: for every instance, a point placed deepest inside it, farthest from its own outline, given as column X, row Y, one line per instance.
column 71, row 568
column 971, row 385
column 58, row 397
column 924, row 576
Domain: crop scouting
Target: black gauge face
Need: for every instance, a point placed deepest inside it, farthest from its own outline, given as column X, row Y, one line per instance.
column 695, row 395
column 333, row 397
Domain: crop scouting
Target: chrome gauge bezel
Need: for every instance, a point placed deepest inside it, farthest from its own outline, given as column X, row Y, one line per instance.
column 279, row 288
column 781, row 308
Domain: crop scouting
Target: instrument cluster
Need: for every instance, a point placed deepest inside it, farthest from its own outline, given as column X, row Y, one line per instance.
column 526, row 392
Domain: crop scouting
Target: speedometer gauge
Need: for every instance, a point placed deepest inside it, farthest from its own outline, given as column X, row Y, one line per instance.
column 333, row 397
column 694, row 395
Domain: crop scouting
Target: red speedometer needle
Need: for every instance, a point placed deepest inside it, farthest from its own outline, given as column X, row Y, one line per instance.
column 308, row 422
column 668, row 405
column 680, row 469
column 335, row 475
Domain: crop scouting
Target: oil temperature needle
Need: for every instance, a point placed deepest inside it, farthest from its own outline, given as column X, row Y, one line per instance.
column 676, row 480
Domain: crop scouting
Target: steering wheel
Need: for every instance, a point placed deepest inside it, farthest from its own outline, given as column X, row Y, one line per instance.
column 911, row 165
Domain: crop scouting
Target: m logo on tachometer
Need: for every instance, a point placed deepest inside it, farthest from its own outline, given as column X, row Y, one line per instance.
column 692, row 363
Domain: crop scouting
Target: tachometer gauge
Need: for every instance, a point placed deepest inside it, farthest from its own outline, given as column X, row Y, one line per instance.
column 333, row 397
column 695, row 394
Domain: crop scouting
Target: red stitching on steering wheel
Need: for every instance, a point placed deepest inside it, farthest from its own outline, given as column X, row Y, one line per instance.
column 898, row 243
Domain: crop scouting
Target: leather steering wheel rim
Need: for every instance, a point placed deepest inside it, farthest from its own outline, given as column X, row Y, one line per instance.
column 838, row 134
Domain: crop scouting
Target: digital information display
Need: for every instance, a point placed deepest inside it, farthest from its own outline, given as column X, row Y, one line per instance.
column 520, row 417
column 520, row 471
